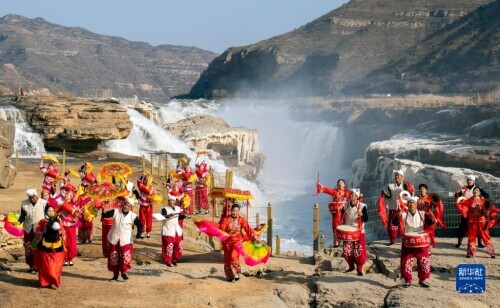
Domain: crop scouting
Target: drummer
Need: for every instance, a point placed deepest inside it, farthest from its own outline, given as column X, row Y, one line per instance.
column 354, row 214
column 414, row 222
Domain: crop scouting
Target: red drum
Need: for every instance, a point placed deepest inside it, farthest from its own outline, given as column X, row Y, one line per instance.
column 67, row 208
column 348, row 233
column 416, row 239
column 51, row 173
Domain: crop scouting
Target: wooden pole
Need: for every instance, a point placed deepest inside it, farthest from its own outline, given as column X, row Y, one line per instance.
column 227, row 178
column 17, row 159
column 152, row 166
column 257, row 219
column 316, row 229
column 278, row 245
column 322, row 242
column 212, row 178
column 166, row 166
column 64, row 161
column 270, row 225
column 230, row 179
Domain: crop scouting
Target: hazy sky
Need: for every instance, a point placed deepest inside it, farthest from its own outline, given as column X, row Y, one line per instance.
column 210, row 24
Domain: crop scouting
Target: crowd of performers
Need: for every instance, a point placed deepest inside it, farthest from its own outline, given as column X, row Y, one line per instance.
column 414, row 215
column 55, row 223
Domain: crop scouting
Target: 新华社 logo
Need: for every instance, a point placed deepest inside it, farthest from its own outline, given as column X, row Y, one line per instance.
column 471, row 278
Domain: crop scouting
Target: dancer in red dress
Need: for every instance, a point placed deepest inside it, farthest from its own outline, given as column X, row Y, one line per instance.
column 49, row 253
column 201, row 192
column 340, row 196
column 234, row 225
column 188, row 178
column 49, row 175
column 428, row 205
column 68, row 215
column 146, row 190
column 477, row 210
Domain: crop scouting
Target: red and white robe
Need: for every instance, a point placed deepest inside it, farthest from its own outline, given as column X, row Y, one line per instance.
column 69, row 224
column 31, row 214
column 355, row 251
column 48, row 177
column 425, row 204
column 171, row 240
column 394, row 206
column 201, row 192
column 85, row 228
column 415, row 223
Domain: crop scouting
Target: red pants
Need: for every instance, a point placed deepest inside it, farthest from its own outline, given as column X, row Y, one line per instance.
column 171, row 248
column 423, row 263
column 477, row 228
column 355, row 252
column 201, row 198
column 120, row 258
column 28, row 251
column 70, row 243
column 85, row 231
column 232, row 267
column 336, row 217
column 146, row 217
column 106, row 245
column 393, row 227
column 49, row 266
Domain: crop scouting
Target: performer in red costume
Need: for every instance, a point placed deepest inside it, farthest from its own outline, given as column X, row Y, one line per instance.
column 49, row 175
column 466, row 192
column 234, row 225
column 107, row 223
column 413, row 221
column 354, row 214
column 201, row 192
column 476, row 209
column 426, row 204
column 145, row 186
column 68, row 215
column 176, row 192
column 32, row 211
column 86, row 227
column 392, row 194
column 121, row 239
column 340, row 196
column 49, row 253
column 188, row 178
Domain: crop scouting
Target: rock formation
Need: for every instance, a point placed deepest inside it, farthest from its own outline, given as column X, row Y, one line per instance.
column 76, row 125
column 7, row 170
column 75, row 60
column 331, row 52
column 238, row 147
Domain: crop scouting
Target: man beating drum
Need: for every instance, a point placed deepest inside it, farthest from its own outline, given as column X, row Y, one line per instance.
column 416, row 243
column 352, row 232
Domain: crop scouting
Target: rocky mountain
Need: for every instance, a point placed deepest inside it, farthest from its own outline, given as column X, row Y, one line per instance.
column 37, row 54
column 462, row 57
column 331, row 52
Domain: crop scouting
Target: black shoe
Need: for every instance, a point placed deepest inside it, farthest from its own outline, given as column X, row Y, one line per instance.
column 467, row 256
column 148, row 235
column 336, row 245
column 430, row 254
column 207, row 212
column 169, row 265
column 32, row 270
column 174, row 263
column 230, row 280
column 360, row 273
column 70, row 263
column 349, row 270
column 115, row 278
column 458, row 245
column 493, row 257
column 237, row 278
column 481, row 246
column 407, row 285
column 390, row 244
column 124, row 277
column 424, row 284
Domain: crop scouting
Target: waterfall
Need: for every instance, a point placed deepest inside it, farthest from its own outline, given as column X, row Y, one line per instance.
column 28, row 142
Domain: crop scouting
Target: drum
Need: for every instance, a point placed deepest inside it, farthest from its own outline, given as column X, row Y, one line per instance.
column 348, row 233
column 416, row 239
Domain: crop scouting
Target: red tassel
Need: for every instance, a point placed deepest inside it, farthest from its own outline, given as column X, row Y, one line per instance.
column 381, row 210
column 439, row 215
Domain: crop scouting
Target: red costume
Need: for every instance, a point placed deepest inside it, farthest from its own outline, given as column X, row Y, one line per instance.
column 355, row 251
column 171, row 238
column 339, row 198
column 31, row 214
column 234, row 227
column 394, row 206
column 187, row 184
column 146, row 206
column 86, row 227
column 49, row 175
column 49, row 253
column 425, row 204
column 69, row 224
column 476, row 212
column 201, row 193
column 415, row 223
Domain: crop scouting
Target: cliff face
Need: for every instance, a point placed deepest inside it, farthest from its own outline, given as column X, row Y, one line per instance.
column 329, row 53
column 7, row 170
column 37, row 54
column 74, row 124
column 238, row 147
